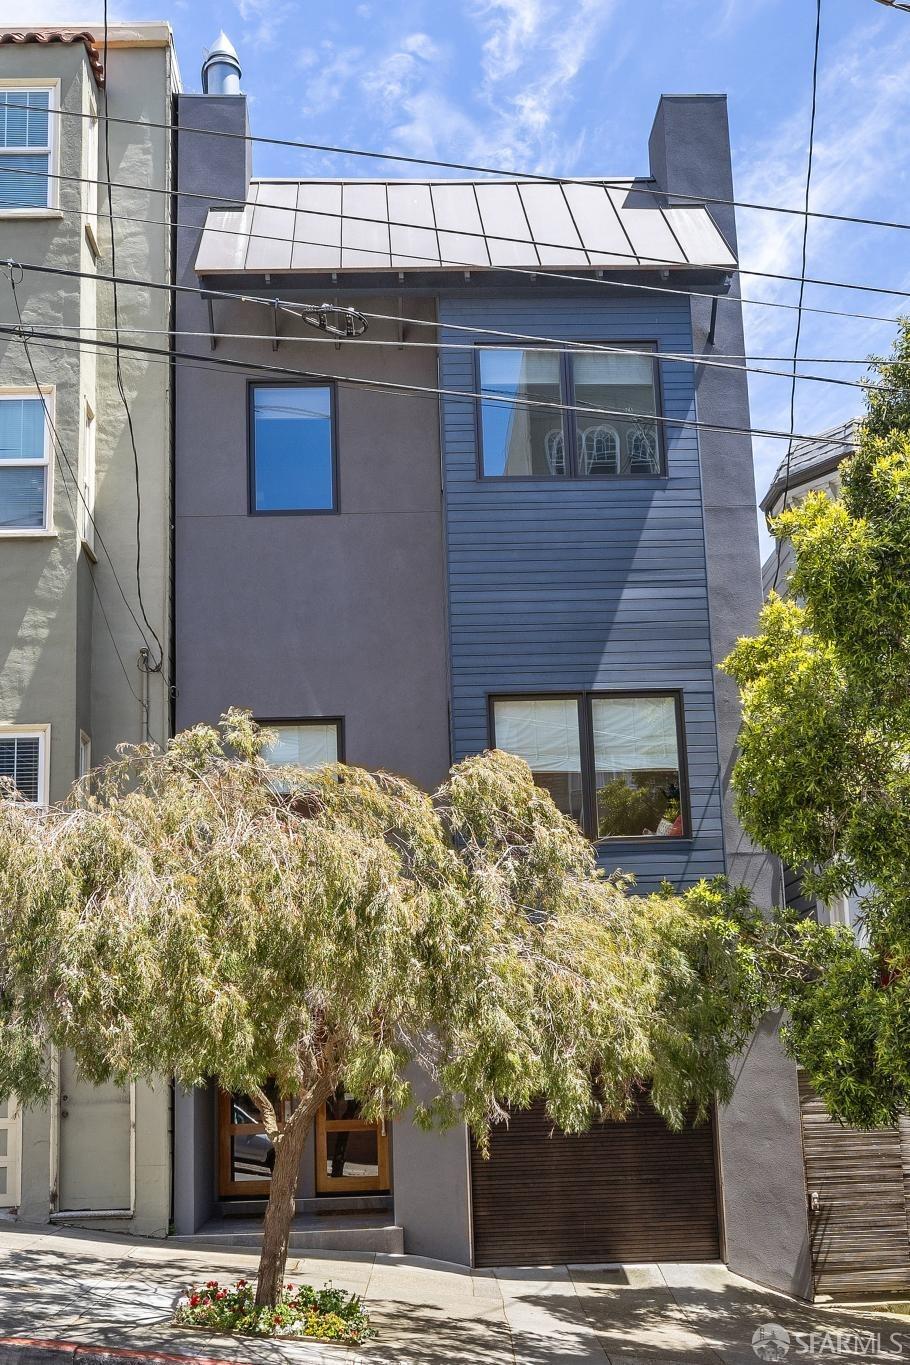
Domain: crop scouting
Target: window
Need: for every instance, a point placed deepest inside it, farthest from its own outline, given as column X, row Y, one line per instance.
column 25, row 148
column 91, row 174
column 610, row 761
column 292, row 460
column 23, row 760
column 24, row 459
column 620, row 437
column 87, row 501
column 85, row 753
column 305, row 744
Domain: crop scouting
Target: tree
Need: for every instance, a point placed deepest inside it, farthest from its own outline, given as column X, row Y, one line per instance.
column 198, row 913
column 823, row 777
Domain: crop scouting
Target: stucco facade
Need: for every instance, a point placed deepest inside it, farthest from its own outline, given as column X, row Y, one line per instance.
column 69, row 641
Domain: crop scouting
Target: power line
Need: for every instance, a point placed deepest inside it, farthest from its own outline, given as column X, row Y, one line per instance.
column 553, row 346
column 530, row 176
column 654, row 263
column 533, row 273
column 155, row 667
column 417, row 390
column 802, row 286
column 60, row 451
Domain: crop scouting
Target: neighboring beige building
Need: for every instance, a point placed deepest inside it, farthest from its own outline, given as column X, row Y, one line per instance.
column 74, row 678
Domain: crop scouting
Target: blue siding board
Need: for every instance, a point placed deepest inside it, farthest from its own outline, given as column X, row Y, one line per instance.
column 584, row 585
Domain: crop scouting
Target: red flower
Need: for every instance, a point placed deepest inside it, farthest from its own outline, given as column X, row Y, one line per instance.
column 276, row 1320
column 194, row 1300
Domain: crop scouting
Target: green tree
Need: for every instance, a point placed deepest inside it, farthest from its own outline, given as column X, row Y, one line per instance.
column 201, row 914
column 823, row 777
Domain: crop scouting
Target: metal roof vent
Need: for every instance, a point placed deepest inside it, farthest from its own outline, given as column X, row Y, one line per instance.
column 221, row 68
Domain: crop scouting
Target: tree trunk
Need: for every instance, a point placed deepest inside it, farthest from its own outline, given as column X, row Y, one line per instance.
column 279, row 1213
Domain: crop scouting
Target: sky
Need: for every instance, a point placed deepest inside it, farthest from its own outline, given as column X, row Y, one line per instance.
column 569, row 87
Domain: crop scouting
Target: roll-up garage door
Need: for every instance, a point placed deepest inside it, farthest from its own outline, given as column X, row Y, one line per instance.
column 632, row 1191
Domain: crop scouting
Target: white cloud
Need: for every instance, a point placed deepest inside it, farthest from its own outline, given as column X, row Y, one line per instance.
column 265, row 18
column 394, row 76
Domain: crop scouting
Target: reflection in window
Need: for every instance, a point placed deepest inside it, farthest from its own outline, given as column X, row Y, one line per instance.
column 292, row 448
column 24, row 462
column 636, row 762
column 544, row 732
column 517, row 440
column 352, row 1153
column 618, row 384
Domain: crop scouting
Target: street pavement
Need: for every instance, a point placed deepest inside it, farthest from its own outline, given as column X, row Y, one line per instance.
column 114, row 1293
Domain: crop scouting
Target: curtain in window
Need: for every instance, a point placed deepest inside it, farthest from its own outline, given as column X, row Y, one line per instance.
column 634, row 734
column 542, row 732
column 305, row 746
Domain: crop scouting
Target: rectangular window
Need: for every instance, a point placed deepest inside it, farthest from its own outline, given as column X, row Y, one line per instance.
column 292, row 448
column 24, row 461
column 91, row 173
column 618, row 437
column 23, row 761
column 85, row 753
column 610, row 761
column 25, row 148
column 303, row 744
column 87, row 501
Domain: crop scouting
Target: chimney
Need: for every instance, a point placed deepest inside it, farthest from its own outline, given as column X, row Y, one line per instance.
column 221, row 68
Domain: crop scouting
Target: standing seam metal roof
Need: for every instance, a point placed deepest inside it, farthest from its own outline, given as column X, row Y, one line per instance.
column 320, row 225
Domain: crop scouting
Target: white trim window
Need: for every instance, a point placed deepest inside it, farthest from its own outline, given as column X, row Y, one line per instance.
column 27, row 146
column 85, row 754
column 10, row 1146
column 87, row 500
column 25, row 482
column 24, row 759
column 91, row 174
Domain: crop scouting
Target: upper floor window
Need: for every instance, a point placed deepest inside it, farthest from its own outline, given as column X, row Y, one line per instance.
column 23, row 760
column 304, row 743
column 26, row 147
column 292, row 464
column 25, row 485
column 524, row 435
column 610, row 761
column 87, row 500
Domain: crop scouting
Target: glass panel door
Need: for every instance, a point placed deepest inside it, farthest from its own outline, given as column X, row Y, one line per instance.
column 351, row 1154
column 246, row 1155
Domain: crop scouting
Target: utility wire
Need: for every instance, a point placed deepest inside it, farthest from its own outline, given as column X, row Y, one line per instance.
column 802, row 286
column 155, row 666
column 60, row 451
column 552, row 347
column 529, row 176
column 650, row 263
column 414, row 390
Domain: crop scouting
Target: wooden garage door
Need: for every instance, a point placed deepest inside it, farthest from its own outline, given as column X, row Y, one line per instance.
column 860, row 1181
column 629, row 1191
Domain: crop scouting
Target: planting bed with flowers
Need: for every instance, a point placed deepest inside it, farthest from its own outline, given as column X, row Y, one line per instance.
column 325, row 1314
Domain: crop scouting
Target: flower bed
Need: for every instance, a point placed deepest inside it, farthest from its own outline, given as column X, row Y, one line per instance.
column 325, row 1314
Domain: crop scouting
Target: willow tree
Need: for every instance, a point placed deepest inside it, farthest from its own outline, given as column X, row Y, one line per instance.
column 202, row 914
column 823, row 779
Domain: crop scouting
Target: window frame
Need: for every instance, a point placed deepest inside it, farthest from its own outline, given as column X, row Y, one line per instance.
column 91, row 154
column 87, row 473
column 252, row 386
column 338, row 721
column 43, row 735
column 52, row 208
column 45, row 397
column 570, row 419
column 583, row 698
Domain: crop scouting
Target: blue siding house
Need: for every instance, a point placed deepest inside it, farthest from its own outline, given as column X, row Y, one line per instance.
column 535, row 530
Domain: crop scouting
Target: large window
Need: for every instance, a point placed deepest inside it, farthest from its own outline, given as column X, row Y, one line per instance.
column 24, row 465
column 23, row 760
column 291, row 448
column 525, row 435
column 25, row 148
column 303, row 744
column 610, row 761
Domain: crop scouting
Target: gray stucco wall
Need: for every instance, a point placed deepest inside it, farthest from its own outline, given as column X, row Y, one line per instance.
column 763, row 1186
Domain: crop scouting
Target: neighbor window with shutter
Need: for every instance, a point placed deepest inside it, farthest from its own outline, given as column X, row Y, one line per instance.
column 24, row 465
column 26, row 148
column 23, row 761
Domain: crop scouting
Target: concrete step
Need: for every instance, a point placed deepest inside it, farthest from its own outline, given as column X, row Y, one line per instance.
column 368, row 1237
column 321, row 1206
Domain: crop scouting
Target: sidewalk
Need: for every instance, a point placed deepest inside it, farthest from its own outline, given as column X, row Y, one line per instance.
column 99, row 1293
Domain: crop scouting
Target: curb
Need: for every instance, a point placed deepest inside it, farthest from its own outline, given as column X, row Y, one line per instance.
column 42, row 1351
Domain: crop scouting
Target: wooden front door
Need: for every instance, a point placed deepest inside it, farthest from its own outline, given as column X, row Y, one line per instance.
column 351, row 1155
column 245, row 1154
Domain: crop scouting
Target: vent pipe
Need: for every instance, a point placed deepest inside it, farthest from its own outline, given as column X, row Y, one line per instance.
column 221, row 68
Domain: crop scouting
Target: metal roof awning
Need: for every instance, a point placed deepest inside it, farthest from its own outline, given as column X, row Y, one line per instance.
column 329, row 226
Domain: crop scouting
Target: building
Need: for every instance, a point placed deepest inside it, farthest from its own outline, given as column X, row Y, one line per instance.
column 84, row 660
column 399, row 555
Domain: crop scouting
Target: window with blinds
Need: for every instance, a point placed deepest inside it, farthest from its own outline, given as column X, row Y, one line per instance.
column 25, row 148
column 21, row 763
column 24, row 461
column 303, row 744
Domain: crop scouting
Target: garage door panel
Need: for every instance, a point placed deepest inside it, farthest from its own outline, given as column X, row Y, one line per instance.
column 620, row 1192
